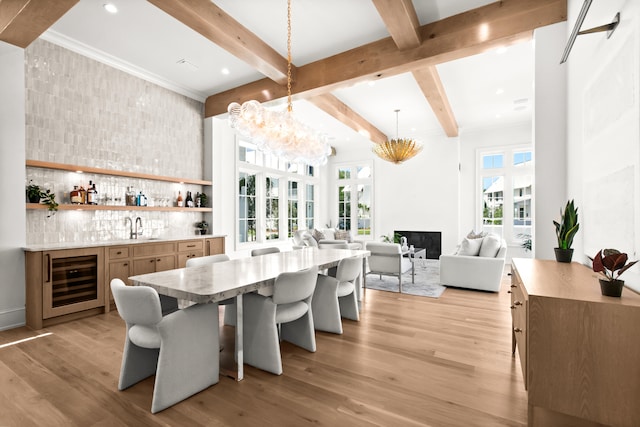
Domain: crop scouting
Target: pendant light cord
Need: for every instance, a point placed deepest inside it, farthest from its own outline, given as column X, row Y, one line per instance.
column 289, row 103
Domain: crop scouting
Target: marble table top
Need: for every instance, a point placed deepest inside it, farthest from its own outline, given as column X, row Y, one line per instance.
column 223, row 280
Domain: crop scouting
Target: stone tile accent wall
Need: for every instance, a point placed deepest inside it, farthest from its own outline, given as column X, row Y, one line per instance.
column 81, row 111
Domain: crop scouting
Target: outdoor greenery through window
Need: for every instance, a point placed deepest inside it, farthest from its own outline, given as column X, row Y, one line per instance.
column 247, row 207
column 270, row 191
column 506, row 178
column 355, row 189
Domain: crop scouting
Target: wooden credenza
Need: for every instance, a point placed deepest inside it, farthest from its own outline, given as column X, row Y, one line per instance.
column 579, row 350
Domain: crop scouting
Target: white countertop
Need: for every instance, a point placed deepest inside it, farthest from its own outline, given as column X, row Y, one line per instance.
column 78, row 245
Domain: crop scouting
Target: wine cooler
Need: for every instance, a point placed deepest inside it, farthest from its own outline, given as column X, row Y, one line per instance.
column 72, row 283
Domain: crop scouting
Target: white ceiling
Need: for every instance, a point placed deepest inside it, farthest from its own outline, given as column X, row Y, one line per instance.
column 147, row 42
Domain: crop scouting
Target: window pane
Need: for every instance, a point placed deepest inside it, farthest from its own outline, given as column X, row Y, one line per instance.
column 344, row 173
column 364, row 210
column 271, row 161
column 248, row 153
column 520, row 159
column 292, row 210
column 522, row 205
column 364, row 172
column 344, row 208
column 493, row 161
column 310, row 170
column 272, row 223
column 310, row 208
column 493, row 201
column 246, row 207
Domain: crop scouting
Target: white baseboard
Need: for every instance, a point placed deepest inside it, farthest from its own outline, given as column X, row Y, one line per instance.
column 12, row 318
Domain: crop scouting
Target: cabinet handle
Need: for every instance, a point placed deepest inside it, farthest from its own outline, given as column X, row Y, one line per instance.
column 513, row 286
column 48, row 268
column 191, row 246
column 508, row 274
column 151, row 260
column 517, row 303
column 513, row 307
column 158, row 260
column 126, row 264
column 508, row 292
column 517, row 330
column 119, row 253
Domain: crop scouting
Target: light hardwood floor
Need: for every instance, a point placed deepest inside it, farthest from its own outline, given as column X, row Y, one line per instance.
column 410, row 361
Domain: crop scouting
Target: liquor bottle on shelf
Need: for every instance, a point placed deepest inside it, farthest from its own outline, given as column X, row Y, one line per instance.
column 92, row 194
column 189, row 200
column 141, row 200
column 75, row 196
column 179, row 201
column 130, row 197
column 83, row 195
column 198, row 200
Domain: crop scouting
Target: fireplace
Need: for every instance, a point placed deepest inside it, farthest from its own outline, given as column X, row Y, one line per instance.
column 430, row 240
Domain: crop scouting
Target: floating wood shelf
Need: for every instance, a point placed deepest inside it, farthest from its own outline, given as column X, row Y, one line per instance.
column 70, row 207
column 88, row 169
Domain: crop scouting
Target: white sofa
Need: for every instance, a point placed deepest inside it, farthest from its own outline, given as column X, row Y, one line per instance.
column 302, row 238
column 478, row 264
column 386, row 260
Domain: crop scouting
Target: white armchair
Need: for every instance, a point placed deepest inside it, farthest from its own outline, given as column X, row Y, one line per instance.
column 482, row 271
column 386, row 260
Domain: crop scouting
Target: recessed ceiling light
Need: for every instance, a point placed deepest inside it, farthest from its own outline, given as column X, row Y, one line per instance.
column 499, row 91
column 110, row 7
column 225, row 71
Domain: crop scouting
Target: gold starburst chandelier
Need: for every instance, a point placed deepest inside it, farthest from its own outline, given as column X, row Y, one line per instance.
column 278, row 132
column 397, row 150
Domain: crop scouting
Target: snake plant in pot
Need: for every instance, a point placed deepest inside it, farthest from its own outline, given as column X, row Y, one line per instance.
column 566, row 230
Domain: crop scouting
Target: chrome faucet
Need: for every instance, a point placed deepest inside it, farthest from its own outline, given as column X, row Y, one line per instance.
column 138, row 231
column 130, row 226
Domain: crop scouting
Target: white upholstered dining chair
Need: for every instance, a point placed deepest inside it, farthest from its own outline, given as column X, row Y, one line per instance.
column 287, row 311
column 181, row 348
column 335, row 297
column 229, row 303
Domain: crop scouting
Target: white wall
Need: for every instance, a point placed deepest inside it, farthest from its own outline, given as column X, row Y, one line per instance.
column 12, row 179
column 603, row 161
column 550, row 136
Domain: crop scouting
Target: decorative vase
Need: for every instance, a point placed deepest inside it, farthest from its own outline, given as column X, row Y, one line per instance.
column 563, row 255
column 34, row 199
column 611, row 288
column 203, row 231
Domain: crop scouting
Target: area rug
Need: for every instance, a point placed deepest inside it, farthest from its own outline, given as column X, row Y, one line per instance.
column 427, row 280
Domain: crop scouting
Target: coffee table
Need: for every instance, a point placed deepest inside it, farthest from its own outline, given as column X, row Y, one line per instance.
column 420, row 253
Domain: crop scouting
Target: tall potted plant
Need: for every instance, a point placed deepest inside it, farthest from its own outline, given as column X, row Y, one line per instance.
column 566, row 230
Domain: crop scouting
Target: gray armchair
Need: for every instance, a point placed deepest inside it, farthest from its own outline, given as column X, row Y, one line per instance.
column 386, row 260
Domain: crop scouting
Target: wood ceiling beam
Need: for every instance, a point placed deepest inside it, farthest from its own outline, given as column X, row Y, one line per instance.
column 401, row 20
column 469, row 33
column 431, row 86
column 216, row 25
column 23, row 21
column 341, row 111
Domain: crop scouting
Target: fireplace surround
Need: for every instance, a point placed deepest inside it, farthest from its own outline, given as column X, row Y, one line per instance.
column 430, row 240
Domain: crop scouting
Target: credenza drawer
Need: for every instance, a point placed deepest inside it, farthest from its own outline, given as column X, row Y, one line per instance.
column 194, row 245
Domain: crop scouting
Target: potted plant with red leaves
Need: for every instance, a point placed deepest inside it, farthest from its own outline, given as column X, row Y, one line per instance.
column 611, row 263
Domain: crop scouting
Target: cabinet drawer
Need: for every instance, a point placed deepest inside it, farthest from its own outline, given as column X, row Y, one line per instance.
column 193, row 245
column 183, row 257
column 119, row 252
column 146, row 249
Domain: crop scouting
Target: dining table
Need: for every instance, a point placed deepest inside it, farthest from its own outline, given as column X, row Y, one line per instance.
column 213, row 283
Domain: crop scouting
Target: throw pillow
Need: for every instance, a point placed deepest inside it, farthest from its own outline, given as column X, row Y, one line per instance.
column 343, row 235
column 473, row 235
column 318, row 235
column 490, row 246
column 470, row 247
